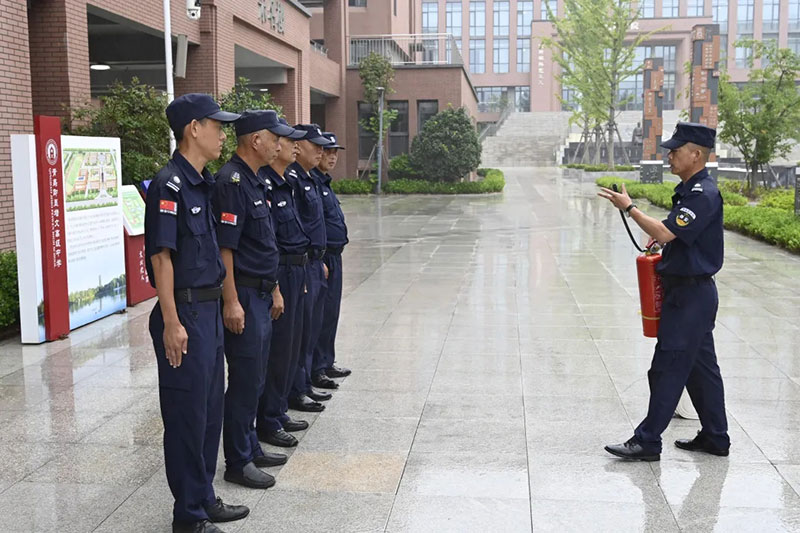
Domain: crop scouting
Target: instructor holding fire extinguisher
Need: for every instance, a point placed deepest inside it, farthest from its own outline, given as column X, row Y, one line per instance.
column 684, row 355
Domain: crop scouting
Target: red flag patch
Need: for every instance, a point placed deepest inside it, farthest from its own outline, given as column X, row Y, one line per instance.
column 228, row 218
column 169, row 207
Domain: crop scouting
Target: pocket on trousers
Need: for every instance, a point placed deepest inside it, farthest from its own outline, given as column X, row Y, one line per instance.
column 174, row 378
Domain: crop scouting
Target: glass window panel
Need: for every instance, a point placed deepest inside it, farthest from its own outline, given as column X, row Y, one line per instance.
column 430, row 17
column 522, row 99
column 553, row 7
column 695, row 8
column 425, row 110
column 477, row 19
column 744, row 16
column 501, row 18
column 366, row 140
column 500, row 63
column 523, row 55
column 669, row 8
column 719, row 14
column 453, row 18
column 647, row 8
column 771, row 16
column 398, row 131
column 794, row 15
column 524, row 17
column 477, row 56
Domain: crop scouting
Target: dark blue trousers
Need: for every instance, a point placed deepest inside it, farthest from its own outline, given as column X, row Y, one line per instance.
column 685, row 357
column 284, row 349
column 247, row 356
column 313, row 313
column 325, row 350
column 191, row 407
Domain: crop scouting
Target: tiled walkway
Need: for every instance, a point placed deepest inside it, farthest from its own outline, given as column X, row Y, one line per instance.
column 496, row 347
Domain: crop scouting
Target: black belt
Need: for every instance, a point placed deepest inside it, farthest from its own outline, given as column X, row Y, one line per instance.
column 206, row 294
column 684, row 281
column 261, row 284
column 287, row 259
column 315, row 254
column 334, row 251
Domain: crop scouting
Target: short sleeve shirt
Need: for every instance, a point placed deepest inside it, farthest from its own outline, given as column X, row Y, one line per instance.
column 696, row 221
column 309, row 204
column 289, row 233
column 335, row 227
column 241, row 209
column 178, row 217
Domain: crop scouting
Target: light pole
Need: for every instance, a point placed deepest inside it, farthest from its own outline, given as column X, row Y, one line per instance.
column 168, row 64
column 380, row 136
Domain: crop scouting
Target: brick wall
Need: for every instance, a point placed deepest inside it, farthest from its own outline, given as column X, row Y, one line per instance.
column 15, row 88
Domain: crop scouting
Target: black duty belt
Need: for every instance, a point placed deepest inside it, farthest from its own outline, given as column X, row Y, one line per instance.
column 334, row 251
column 684, row 281
column 206, row 294
column 287, row 259
column 315, row 254
column 261, row 284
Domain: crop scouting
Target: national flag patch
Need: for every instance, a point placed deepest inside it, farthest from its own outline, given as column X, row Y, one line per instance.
column 228, row 218
column 169, row 207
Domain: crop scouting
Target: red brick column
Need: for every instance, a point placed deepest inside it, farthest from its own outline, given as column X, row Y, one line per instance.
column 336, row 28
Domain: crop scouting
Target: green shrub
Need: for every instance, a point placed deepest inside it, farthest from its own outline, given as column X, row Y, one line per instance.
column 447, row 148
column 493, row 182
column 779, row 199
column 773, row 225
column 482, row 172
column 9, row 292
column 400, row 168
column 660, row 194
column 353, row 186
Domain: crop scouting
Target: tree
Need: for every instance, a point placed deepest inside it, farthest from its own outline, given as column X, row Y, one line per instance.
column 135, row 114
column 596, row 54
column 375, row 71
column 240, row 98
column 447, row 148
column 762, row 118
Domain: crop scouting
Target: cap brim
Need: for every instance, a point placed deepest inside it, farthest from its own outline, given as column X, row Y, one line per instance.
column 281, row 130
column 224, row 116
column 320, row 141
column 672, row 144
column 335, row 146
column 297, row 134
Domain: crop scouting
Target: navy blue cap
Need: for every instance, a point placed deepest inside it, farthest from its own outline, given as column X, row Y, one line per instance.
column 195, row 106
column 332, row 139
column 313, row 134
column 297, row 135
column 251, row 121
column 690, row 132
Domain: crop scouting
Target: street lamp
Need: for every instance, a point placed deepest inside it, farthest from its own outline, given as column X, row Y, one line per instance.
column 168, row 65
column 380, row 136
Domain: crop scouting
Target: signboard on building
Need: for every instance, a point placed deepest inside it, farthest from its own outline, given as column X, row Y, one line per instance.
column 78, row 217
column 271, row 11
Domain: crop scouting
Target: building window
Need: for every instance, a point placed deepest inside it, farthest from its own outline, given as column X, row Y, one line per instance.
column 501, row 18
column 425, row 110
column 522, row 99
column 696, row 8
column 524, row 17
column 490, row 99
column 723, row 49
column 794, row 43
column 366, row 139
column 523, row 55
column 477, row 56
column 553, row 7
column 647, row 8
column 744, row 17
column 500, row 63
column 357, row 3
column 771, row 17
column 398, row 131
column 669, row 8
column 569, row 99
column 794, row 15
column 477, row 19
column 453, row 18
column 430, row 17
column 632, row 88
column 719, row 14
column 743, row 53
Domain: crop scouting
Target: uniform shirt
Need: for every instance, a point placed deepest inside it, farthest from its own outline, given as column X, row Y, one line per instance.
column 309, row 204
column 289, row 233
column 241, row 209
column 696, row 221
column 178, row 216
column 335, row 227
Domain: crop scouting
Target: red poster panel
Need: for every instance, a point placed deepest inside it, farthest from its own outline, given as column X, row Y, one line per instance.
column 51, row 223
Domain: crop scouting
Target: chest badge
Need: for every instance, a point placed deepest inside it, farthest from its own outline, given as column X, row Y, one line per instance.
column 257, row 203
column 324, row 193
column 236, row 178
column 307, row 188
column 196, row 209
column 282, row 203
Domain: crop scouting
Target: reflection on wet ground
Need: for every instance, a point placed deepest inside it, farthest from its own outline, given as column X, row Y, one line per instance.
column 496, row 347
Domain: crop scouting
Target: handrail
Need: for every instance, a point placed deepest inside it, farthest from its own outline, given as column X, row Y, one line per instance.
column 492, row 129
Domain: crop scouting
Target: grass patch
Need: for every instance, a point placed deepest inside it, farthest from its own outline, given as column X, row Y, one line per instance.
column 600, row 168
column 660, row 194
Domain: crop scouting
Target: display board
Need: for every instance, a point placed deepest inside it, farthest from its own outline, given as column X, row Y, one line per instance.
column 132, row 210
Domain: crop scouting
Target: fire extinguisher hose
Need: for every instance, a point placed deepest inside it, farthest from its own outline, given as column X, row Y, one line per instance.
column 627, row 227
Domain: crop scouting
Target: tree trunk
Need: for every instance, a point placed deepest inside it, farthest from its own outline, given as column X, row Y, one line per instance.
column 622, row 144
column 753, row 170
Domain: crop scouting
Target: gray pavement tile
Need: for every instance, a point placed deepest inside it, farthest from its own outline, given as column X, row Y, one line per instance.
column 474, row 407
column 478, row 364
column 459, row 383
column 699, row 517
column 569, row 386
column 500, row 347
column 434, row 514
column 442, row 435
column 342, row 472
column 606, row 517
column 364, row 434
column 564, row 409
column 100, row 464
column 49, row 426
column 564, row 364
column 392, row 380
column 545, row 347
column 142, row 428
column 347, row 403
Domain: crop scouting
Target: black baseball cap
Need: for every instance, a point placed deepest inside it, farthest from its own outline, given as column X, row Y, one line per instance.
column 251, row 121
column 332, row 139
column 195, row 106
column 297, row 135
column 313, row 134
column 690, row 132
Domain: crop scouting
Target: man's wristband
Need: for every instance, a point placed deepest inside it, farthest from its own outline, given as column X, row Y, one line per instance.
column 629, row 209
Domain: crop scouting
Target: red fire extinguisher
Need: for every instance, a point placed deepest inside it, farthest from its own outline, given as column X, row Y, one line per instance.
column 651, row 292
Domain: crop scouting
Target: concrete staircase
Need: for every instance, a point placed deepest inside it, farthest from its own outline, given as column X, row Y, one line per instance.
column 526, row 140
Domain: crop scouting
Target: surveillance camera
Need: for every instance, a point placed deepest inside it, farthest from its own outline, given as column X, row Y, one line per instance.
column 193, row 9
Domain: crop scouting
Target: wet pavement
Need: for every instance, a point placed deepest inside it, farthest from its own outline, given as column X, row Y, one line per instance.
column 496, row 347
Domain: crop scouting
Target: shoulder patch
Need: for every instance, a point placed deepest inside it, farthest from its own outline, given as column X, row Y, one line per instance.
column 697, row 187
column 236, row 178
column 685, row 217
column 174, row 183
column 168, row 207
column 293, row 173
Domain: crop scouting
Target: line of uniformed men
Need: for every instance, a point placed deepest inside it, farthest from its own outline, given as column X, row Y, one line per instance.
column 247, row 264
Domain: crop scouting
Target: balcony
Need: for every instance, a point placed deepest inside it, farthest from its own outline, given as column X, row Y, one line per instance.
column 421, row 49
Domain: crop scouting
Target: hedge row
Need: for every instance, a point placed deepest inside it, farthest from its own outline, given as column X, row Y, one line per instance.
column 352, row 186
column 493, row 181
column 9, row 291
column 772, row 221
column 600, row 168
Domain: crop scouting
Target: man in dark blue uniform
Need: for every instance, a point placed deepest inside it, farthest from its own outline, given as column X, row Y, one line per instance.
column 336, row 233
column 309, row 204
column 185, row 268
column 684, row 355
column 250, row 294
column 273, row 425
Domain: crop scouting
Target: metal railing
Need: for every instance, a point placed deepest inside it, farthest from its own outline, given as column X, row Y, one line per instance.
column 491, row 129
column 408, row 49
column 318, row 48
